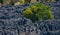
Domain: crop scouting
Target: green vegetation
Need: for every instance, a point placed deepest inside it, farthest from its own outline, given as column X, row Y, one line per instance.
column 25, row 1
column 51, row 0
column 38, row 11
column 11, row 2
column 22, row 1
column 1, row 1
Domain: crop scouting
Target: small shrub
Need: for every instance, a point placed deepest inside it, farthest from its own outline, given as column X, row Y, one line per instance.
column 37, row 12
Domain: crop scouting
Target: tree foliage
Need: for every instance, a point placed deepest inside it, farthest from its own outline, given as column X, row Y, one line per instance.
column 38, row 11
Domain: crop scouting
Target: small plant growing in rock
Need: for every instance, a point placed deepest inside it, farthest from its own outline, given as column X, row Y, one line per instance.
column 38, row 11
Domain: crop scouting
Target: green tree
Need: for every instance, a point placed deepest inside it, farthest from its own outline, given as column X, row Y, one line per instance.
column 38, row 11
